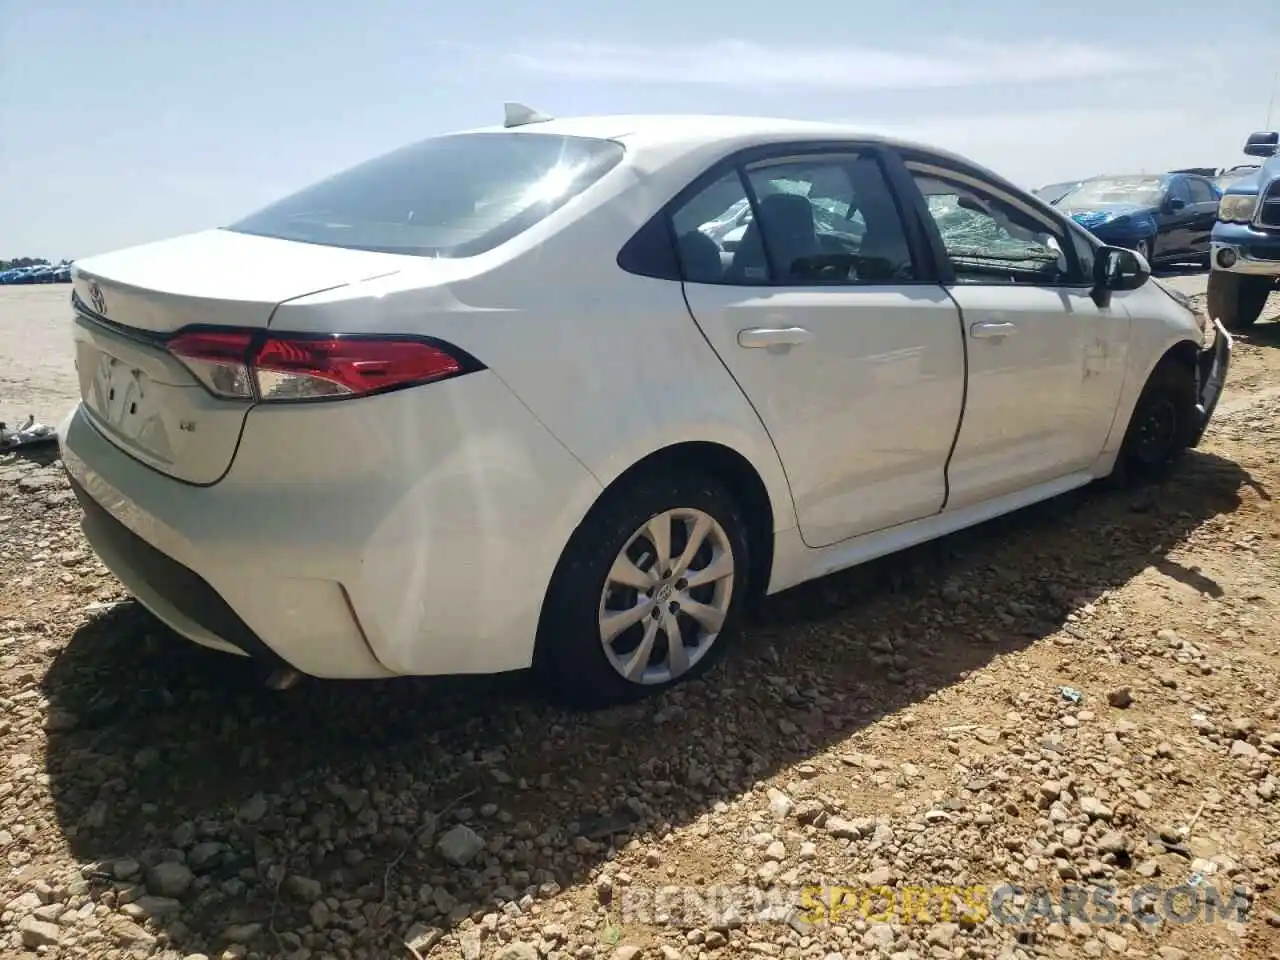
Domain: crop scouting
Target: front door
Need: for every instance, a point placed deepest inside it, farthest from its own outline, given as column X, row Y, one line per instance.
column 1204, row 208
column 850, row 353
column 1046, row 363
column 1174, row 219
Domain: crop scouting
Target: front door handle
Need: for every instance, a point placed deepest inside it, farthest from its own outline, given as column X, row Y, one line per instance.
column 758, row 337
column 990, row 329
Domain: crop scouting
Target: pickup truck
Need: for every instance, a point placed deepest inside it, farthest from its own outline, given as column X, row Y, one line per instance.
column 1244, row 249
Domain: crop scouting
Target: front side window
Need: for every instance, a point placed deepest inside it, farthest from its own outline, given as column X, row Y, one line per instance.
column 808, row 221
column 989, row 239
column 1202, row 191
column 451, row 196
column 1178, row 190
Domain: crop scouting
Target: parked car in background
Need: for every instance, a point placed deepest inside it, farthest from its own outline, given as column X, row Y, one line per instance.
column 1054, row 192
column 1165, row 217
column 38, row 273
column 1245, row 262
column 501, row 398
column 1229, row 175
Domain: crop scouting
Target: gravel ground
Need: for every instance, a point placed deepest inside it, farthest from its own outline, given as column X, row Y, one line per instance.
column 1080, row 696
column 37, row 362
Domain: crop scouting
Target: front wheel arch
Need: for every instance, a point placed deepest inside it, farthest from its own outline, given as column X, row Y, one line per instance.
column 1174, row 375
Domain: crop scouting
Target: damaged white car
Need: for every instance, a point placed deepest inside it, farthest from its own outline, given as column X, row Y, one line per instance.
column 568, row 393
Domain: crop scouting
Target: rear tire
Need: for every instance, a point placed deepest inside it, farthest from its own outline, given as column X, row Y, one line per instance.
column 1236, row 299
column 613, row 567
column 1162, row 425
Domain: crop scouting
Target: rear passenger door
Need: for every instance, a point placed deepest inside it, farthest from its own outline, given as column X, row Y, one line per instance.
column 823, row 310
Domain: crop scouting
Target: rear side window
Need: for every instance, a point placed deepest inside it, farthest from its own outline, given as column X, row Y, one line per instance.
column 822, row 219
column 451, row 196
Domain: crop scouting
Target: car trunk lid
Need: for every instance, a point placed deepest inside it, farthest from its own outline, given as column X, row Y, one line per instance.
column 140, row 396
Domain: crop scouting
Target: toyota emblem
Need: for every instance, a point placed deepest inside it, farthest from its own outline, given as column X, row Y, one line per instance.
column 95, row 295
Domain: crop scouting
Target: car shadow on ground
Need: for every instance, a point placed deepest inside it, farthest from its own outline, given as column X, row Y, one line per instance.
column 1165, row 270
column 42, row 454
column 151, row 733
column 1264, row 333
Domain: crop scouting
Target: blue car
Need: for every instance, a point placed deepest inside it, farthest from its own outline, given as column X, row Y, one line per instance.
column 1166, row 217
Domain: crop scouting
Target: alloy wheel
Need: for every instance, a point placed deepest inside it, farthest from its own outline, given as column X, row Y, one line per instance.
column 666, row 596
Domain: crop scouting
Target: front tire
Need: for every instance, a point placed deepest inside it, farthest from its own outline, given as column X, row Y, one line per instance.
column 648, row 592
column 1162, row 424
column 1237, row 299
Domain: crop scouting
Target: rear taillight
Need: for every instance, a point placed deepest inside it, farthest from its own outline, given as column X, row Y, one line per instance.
column 251, row 365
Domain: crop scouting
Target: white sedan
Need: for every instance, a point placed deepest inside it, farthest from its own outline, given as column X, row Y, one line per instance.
column 508, row 398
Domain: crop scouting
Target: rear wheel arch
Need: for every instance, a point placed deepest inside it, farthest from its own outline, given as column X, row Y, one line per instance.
column 704, row 477
column 738, row 475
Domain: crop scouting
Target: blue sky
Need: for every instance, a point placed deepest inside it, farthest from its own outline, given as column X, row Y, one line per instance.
column 123, row 121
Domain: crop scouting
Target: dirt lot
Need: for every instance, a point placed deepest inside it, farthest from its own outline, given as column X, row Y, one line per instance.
column 1081, row 695
column 37, row 371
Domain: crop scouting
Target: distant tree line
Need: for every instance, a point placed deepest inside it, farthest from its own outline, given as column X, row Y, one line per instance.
column 23, row 262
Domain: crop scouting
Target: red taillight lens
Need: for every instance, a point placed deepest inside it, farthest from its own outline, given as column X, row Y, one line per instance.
column 249, row 365
column 339, row 366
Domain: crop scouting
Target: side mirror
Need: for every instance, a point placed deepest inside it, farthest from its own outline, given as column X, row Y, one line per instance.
column 1115, row 269
column 1174, row 204
column 1264, row 143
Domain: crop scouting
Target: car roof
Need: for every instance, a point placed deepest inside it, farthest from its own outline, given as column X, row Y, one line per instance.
column 1137, row 176
column 659, row 130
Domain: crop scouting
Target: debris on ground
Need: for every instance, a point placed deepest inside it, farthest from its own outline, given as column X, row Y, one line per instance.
column 30, row 434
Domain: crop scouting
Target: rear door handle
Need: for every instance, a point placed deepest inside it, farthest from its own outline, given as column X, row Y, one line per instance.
column 758, row 337
column 993, row 328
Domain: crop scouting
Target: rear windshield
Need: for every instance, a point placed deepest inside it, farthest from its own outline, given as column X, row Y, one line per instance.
column 451, row 196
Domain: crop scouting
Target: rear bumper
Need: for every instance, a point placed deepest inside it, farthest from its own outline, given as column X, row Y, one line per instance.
column 353, row 540
column 1211, row 376
column 151, row 532
column 175, row 594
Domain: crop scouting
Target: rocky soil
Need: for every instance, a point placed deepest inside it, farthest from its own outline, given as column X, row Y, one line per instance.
column 1079, row 698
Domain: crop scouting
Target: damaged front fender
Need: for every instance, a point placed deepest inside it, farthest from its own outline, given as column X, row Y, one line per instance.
column 1211, row 377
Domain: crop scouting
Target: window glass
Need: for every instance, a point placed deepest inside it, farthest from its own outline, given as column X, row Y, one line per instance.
column 1105, row 192
column 708, row 229
column 1178, row 188
column 825, row 220
column 990, row 240
column 450, row 196
column 1201, row 192
column 814, row 221
column 1086, row 253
